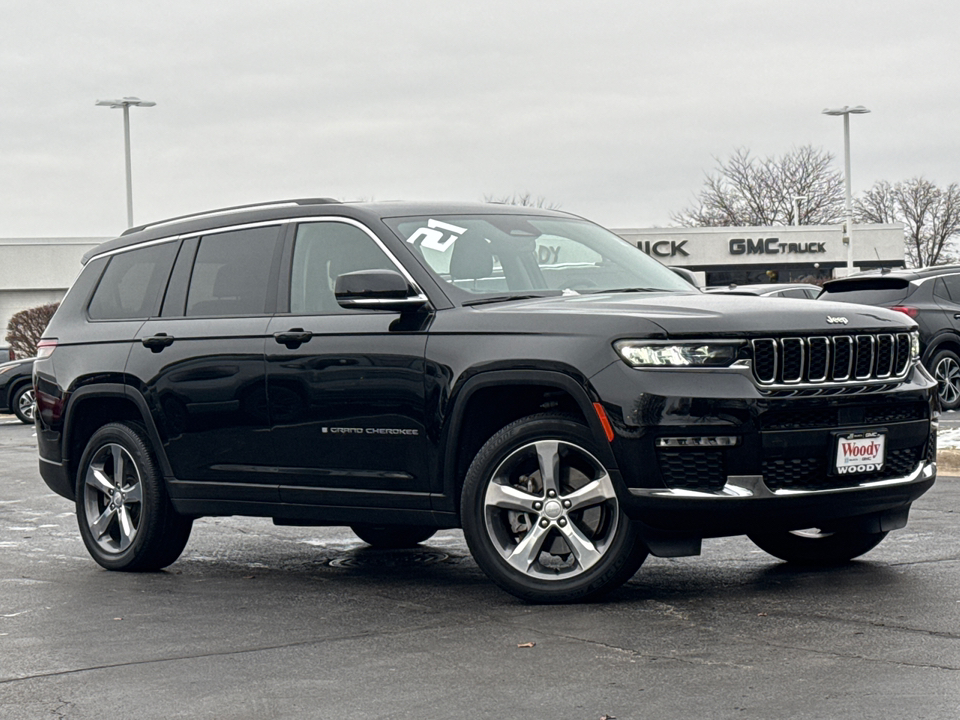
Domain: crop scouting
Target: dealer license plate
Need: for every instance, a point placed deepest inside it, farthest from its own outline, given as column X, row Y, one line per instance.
column 860, row 453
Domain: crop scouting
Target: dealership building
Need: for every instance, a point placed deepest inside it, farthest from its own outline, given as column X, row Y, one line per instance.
column 746, row 255
column 37, row 271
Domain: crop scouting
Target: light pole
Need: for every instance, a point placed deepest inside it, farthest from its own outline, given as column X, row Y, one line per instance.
column 125, row 103
column 847, row 111
column 796, row 207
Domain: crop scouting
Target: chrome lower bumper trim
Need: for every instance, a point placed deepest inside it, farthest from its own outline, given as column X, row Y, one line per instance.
column 739, row 487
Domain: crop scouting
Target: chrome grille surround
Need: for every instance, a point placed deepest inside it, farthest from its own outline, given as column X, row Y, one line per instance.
column 829, row 360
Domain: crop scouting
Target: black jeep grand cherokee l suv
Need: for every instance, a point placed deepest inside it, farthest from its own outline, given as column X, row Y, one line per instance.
column 523, row 374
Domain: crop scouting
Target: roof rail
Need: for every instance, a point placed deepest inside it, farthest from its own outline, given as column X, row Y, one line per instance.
column 234, row 208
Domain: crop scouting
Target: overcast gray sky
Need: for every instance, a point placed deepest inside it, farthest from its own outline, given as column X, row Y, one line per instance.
column 613, row 110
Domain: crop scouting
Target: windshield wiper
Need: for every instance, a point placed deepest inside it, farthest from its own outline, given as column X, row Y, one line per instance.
column 631, row 290
column 502, row 298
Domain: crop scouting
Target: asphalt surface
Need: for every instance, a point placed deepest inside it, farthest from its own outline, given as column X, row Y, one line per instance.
column 256, row 621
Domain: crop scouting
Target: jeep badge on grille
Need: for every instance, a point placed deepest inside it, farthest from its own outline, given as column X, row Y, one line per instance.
column 836, row 320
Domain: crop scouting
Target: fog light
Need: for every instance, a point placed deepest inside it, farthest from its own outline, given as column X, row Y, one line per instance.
column 701, row 441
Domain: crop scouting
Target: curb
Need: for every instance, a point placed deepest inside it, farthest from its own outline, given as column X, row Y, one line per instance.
column 948, row 461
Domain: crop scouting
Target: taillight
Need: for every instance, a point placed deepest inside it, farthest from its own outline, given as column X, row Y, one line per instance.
column 906, row 310
column 46, row 347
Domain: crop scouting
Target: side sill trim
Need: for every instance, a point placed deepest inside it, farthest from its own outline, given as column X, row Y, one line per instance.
column 740, row 487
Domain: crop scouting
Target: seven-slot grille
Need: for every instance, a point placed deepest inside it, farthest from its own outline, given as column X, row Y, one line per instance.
column 831, row 358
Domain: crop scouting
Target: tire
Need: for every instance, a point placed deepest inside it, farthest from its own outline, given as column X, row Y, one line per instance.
column 814, row 547
column 562, row 540
column 24, row 404
column 126, row 519
column 392, row 537
column 945, row 368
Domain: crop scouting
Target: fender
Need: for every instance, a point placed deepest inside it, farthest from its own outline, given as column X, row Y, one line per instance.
column 122, row 392
column 582, row 393
column 12, row 389
column 944, row 338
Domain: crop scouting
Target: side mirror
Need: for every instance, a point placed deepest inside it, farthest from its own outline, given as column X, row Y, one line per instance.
column 377, row 290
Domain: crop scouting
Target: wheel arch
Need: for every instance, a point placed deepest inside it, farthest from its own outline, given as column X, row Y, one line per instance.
column 944, row 341
column 92, row 407
column 14, row 388
column 491, row 400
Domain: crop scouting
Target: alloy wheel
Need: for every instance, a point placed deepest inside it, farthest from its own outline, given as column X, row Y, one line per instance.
column 26, row 403
column 113, row 498
column 947, row 374
column 550, row 510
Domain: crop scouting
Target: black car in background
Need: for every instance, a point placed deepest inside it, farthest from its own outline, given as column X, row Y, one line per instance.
column 521, row 373
column 16, row 389
column 931, row 297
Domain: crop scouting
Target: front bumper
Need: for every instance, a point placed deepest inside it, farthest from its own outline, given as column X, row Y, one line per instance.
column 774, row 469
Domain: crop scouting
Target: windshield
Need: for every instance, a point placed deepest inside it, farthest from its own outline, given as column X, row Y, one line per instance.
column 512, row 255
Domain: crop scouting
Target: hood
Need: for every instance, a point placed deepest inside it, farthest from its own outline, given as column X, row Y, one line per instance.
column 705, row 315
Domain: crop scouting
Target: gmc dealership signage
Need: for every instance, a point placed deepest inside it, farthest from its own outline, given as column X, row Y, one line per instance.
column 804, row 245
column 773, row 246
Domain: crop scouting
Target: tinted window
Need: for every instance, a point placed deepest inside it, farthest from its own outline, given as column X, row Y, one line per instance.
column 952, row 283
column 869, row 291
column 132, row 283
column 321, row 252
column 231, row 273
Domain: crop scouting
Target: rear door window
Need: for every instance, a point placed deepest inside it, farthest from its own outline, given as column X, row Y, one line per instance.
column 952, row 283
column 231, row 274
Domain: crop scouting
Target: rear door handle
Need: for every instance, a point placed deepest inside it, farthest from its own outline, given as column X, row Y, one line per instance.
column 956, row 316
column 293, row 338
column 158, row 342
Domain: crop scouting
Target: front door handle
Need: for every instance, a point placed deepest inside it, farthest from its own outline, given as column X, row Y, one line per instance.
column 293, row 338
column 956, row 316
column 158, row 342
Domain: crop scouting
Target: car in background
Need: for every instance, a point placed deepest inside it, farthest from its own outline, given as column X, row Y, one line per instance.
column 16, row 389
column 804, row 291
column 931, row 296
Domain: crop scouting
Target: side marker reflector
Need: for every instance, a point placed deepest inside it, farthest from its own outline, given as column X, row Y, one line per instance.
column 604, row 420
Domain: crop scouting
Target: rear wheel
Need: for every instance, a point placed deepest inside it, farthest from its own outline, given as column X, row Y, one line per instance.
column 24, row 404
column 541, row 515
column 393, row 536
column 946, row 369
column 814, row 546
column 126, row 519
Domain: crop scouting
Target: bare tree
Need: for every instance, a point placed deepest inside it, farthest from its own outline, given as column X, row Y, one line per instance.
column 748, row 191
column 524, row 199
column 26, row 327
column 930, row 216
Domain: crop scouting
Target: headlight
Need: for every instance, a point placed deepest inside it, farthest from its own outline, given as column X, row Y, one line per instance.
column 915, row 345
column 643, row 353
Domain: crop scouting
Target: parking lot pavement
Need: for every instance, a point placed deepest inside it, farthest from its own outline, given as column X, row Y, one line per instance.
column 256, row 621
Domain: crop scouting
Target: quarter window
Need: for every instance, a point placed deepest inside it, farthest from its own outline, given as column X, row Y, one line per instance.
column 132, row 283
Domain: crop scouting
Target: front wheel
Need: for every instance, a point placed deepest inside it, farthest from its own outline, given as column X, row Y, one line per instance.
column 24, row 404
column 815, row 546
column 541, row 515
column 393, row 537
column 126, row 519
